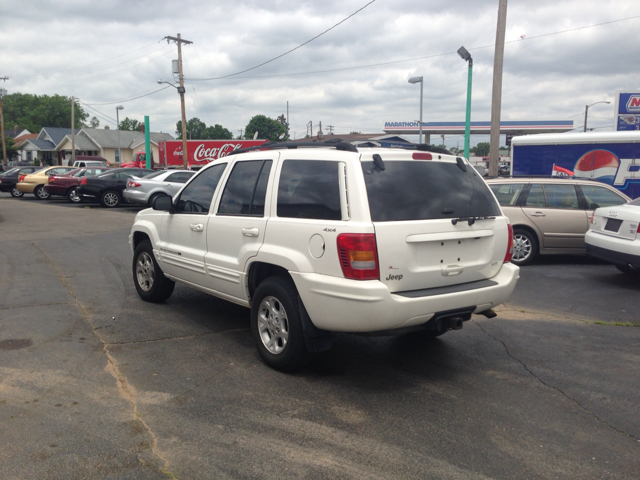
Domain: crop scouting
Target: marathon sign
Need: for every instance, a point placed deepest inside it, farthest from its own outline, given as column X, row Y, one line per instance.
column 401, row 125
column 201, row 152
column 627, row 112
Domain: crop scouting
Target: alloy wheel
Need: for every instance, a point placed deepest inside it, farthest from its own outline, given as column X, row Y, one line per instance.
column 273, row 325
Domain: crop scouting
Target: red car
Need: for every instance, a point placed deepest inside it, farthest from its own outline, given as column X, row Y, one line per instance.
column 65, row 185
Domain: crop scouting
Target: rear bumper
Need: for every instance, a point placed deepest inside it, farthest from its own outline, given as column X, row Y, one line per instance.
column 342, row 305
column 613, row 250
column 7, row 187
column 135, row 197
column 26, row 187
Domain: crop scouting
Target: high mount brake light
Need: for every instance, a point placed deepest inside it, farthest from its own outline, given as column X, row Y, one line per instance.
column 422, row 156
column 507, row 257
column 358, row 254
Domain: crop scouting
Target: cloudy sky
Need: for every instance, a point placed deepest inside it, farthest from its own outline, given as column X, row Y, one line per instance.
column 559, row 56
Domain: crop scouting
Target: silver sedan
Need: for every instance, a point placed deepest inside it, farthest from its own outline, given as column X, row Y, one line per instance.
column 163, row 183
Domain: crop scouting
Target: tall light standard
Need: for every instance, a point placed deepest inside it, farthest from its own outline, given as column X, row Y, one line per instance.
column 118, row 108
column 3, row 92
column 586, row 110
column 419, row 80
column 181, row 91
column 466, row 56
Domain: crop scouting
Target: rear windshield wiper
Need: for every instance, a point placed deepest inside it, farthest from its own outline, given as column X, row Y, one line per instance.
column 471, row 220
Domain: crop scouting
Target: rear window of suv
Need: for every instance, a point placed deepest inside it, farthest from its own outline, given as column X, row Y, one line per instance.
column 421, row 190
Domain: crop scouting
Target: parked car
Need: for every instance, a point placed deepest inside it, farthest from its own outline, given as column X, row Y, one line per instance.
column 86, row 161
column 35, row 182
column 108, row 186
column 163, row 183
column 331, row 239
column 9, row 179
column 614, row 236
column 66, row 185
column 550, row 215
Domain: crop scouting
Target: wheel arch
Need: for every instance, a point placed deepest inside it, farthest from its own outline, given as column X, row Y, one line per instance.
column 260, row 271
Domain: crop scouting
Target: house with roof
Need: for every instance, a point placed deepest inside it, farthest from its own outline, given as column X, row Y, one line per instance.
column 53, row 146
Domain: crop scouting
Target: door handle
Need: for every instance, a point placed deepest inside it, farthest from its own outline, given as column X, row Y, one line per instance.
column 538, row 214
column 250, row 232
column 197, row 227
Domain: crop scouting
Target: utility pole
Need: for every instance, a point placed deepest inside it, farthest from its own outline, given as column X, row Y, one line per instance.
column 496, row 95
column 240, row 134
column 73, row 131
column 310, row 129
column 179, row 41
column 3, row 92
column 330, row 127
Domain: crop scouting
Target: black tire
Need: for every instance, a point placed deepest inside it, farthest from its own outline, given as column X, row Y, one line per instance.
column 110, row 199
column 276, row 325
column 154, row 196
column 72, row 195
column 150, row 282
column 40, row 193
column 525, row 247
column 15, row 192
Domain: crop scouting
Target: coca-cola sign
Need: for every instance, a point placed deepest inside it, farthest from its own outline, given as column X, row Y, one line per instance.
column 201, row 152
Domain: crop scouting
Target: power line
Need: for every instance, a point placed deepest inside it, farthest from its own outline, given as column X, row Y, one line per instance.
column 288, row 52
column 95, row 63
column 415, row 58
column 98, row 113
column 134, row 98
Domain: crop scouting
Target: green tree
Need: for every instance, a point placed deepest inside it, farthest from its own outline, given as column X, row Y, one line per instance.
column 94, row 122
column 218, row 132
column 267, row 128
column 481, row 150
column 130, row 124
column 10, row 145
column 36, row 111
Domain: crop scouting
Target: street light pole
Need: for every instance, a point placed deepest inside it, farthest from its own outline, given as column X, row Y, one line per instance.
column 3, row 92
column 118, row 108
column 466, row 56
column 421, row 82
column 586, row 110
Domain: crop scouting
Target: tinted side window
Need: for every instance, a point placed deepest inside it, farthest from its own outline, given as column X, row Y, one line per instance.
column 241, row 194
column 309, row 189
column 597, row 197
column 561, row 196
column 197, row 196
column 507, row 194
column 535, row 197
column 179, row 177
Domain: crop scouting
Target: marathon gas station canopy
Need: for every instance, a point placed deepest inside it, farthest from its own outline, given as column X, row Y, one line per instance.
column 506, row 127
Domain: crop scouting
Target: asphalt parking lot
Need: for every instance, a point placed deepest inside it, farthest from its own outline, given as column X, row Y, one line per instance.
column 95, row 383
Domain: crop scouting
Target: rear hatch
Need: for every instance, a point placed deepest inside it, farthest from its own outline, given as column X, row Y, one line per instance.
column 436, row 221
column 619, row 221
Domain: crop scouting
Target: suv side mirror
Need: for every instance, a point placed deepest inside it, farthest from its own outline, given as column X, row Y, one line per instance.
column 163, row 203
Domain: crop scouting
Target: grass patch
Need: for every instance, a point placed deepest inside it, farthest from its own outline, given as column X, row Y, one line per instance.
column 618, row 324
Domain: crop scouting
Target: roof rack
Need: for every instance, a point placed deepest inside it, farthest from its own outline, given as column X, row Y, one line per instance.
column 336, row 143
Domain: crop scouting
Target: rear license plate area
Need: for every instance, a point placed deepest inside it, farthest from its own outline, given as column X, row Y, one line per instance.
column 613, row 225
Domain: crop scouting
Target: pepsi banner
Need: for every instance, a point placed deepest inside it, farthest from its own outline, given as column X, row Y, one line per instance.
column 627, row 112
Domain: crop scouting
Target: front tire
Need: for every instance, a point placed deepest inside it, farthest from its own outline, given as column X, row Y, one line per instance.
column 276, row 326
column 40, row 193
column 72, row 195
column 525, row 247
column 110, row 199
column 16, row 193
column 150, row 282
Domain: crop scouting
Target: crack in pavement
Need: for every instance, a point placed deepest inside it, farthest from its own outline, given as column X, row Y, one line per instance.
column 33, row 305
column 564, row 394
column 126, row 390
column 182, row 337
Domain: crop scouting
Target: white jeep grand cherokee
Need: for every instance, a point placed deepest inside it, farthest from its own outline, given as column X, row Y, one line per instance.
column 331, row 239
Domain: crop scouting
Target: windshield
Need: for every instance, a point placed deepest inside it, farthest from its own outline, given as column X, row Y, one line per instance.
column 13, row 170
column 420, row 190
column 635, row 202
column 155, row 174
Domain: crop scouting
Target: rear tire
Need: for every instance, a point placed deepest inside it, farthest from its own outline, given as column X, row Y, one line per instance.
column 110, row 199
column 150, row 282
column 276, row 326
column 72, row 195
column 40, row 193
column 525, row 247
column 15, row 192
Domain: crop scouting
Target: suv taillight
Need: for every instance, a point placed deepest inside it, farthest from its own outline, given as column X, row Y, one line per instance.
column 507, row 257
column 592, row 218
column 359, row 256
column 83, row 181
